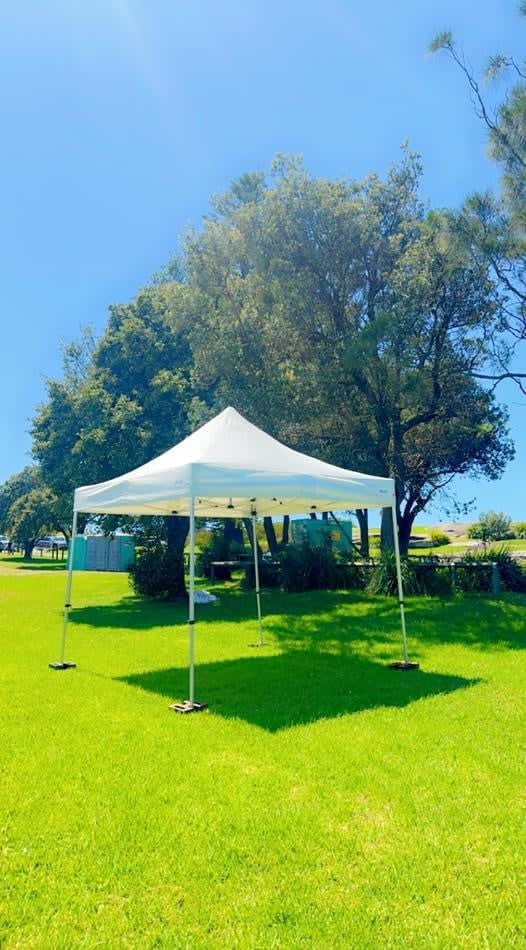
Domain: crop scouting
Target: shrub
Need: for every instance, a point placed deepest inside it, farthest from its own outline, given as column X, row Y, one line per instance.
column 374, row 542
column 202, row 538
column 417, row 578
column 310, row 567
column 491, row 526
column 269, row 575
column 474, row 572
column 472, row 581
column 512, row 575
column 351, row 576
column 383, row 579
column 519, row 529
column 438, row 538
column 150, row 574
column 433, row 580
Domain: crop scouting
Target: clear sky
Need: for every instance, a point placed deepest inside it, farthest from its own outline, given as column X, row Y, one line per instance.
column 121, row 117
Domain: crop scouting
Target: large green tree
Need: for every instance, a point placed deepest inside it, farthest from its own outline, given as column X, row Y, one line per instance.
column 341, row 316
column 31, row 516
column 14, row 487
column 29, row 508
column 130, row 400
column 349, row 322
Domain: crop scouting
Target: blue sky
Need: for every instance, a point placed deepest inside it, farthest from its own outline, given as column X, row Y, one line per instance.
column 122, row 117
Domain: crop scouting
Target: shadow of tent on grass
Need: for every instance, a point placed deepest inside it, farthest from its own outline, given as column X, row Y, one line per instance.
column 311, row 620
column 131, row 613
column 277, row 692
column 35, row 564
column 477, row 620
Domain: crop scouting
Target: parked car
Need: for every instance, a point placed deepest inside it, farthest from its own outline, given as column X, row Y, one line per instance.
column 51, row 541
column 3, row 542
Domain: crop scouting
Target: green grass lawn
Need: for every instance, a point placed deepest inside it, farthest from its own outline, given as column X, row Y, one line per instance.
column 462, row 546
column 322, row 801
column 448, row 550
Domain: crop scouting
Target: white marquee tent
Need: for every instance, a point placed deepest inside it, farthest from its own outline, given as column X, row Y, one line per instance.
column 231, row 469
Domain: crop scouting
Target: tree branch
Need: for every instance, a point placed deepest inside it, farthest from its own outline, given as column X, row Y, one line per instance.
column 506, row 281
column 419, row 419
column 445, row 41
column 516, row 377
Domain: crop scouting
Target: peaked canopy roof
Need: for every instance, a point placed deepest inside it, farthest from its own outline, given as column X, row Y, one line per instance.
column 233, row 469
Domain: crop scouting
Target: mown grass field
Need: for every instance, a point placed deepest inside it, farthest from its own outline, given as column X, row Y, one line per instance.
column 463, row 547
column 322, row 801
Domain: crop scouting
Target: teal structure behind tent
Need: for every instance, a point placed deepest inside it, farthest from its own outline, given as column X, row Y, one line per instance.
column 315, row 531
column 99, row 553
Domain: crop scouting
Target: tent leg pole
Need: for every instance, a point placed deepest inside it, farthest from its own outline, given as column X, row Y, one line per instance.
column 191, row 608
column 256, row 578
column 190, row 704
column 403, row 664
column 62, row 664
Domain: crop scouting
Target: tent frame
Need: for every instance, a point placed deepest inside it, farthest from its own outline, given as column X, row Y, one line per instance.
column 63, row 664
column 261, row 641
column 190, row 704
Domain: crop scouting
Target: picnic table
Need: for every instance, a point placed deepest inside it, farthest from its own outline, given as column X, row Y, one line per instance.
column 230, row 564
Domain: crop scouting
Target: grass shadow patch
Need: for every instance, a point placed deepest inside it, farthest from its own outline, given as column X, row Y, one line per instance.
column 472, row 620
column 322, row 620
column 297, row 688
column 131, row 613
column 17, row 563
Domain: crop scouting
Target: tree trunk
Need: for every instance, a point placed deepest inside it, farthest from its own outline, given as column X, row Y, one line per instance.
column 363, row 520
column 232, row 532
column 404, row 532
column 28, row 545
column 325, row 516
column 285, row 530
column 405, row 523
column 176, row 534
column 386, row 531
column 270, row 535
column 248, row 528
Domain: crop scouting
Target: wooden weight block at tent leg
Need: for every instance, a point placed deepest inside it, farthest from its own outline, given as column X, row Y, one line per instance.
column 403, row 665
column 188, row 707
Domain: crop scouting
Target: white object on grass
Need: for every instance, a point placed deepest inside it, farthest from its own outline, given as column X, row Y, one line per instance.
column 204, row 597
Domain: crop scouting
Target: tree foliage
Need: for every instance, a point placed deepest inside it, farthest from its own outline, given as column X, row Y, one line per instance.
column 30, row 516
column 347, row 321
column 28, row 508
column 132, row 395
column 131, row 401
column 341, row 316
column 496, row 225
column 491, row 526
column 13, row 488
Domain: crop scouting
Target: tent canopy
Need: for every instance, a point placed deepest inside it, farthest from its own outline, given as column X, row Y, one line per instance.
column 229, row 469
column 232, row 469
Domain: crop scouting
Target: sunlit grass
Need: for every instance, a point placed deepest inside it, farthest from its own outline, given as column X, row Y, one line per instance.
column 463, row 546
column 322, row 801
